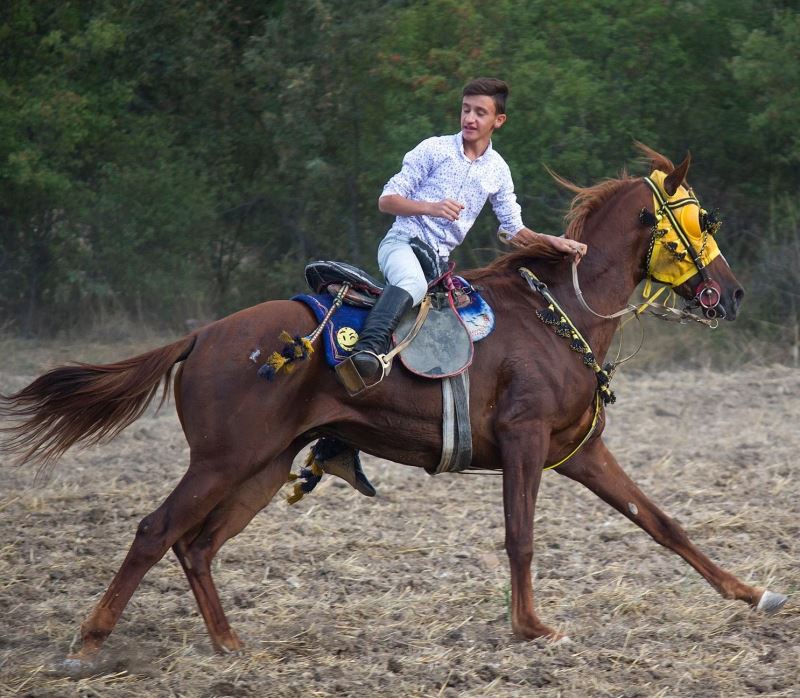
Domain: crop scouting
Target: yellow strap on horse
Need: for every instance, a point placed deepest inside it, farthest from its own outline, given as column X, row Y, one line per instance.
column 592, row 428
column 650, row 299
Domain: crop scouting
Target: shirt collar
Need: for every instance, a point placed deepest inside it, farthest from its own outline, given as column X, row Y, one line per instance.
column 460, row 142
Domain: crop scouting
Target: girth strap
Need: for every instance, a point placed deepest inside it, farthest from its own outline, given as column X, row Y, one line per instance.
column 456, row 428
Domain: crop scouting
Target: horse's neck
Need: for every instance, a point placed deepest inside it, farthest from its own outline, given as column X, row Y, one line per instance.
column 609, row 273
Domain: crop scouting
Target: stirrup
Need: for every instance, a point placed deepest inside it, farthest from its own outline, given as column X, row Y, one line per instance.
column 353, row 381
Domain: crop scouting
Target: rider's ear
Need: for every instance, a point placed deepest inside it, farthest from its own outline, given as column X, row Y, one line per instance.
column 676, row 177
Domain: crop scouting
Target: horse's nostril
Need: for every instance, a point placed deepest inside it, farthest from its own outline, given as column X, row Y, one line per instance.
column 738, row 294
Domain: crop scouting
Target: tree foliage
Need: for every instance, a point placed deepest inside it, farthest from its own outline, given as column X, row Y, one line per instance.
column 167, row 160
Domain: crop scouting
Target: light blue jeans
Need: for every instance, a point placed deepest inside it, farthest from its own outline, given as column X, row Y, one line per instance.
column 401, row 267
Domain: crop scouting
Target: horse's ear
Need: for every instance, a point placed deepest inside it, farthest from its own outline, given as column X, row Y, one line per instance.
column 677, row 176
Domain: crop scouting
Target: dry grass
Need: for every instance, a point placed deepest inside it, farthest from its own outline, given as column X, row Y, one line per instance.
column 406, row 594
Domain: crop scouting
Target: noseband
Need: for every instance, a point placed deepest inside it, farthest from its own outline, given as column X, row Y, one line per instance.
column 708, row 293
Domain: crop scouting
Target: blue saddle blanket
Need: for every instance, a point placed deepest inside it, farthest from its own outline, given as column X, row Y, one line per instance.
column 341, row 333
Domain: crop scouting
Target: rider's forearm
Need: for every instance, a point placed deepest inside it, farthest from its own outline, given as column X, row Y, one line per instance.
column 400, row 206
column 527, row 236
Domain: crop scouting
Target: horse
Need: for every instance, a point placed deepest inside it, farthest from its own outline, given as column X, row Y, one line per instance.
column 532, row 400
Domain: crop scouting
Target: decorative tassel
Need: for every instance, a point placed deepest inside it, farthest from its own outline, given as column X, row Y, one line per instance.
column 266, row 371
column 297, row 494
column 310, row 476
column 647, row 218
column 607, row 395
column 305, row 482
column 548, row 315
column 296, row 349
column 563, row 329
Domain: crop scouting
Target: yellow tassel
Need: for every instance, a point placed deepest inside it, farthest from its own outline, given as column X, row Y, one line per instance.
column 296, row 495
column 316, row 468
column 307, row 344
column 292, row 477
column 310, row 458
column 276, row 361
column 286, row 337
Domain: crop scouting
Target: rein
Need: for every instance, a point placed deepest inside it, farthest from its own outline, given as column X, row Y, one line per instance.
column 670, row 312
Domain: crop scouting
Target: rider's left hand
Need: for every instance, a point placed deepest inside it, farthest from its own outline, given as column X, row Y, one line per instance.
column 573, row 248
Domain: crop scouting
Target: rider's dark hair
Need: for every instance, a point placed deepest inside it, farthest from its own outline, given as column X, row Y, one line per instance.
column 489, row 87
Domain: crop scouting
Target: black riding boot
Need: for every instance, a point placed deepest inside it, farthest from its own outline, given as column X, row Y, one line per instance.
column 376, row 335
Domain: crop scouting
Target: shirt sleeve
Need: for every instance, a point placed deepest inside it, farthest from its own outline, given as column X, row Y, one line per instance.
column 505, row 206
column 417, row 164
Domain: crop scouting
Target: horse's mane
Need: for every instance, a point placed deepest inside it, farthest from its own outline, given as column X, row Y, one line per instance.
column 586, row 201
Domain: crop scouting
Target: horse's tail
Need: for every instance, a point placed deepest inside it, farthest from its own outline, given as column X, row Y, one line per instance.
column 86, row 402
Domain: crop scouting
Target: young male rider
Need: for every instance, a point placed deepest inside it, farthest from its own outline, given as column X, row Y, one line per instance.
column 436, row 197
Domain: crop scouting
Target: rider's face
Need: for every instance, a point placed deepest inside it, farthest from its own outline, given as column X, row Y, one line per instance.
column 479, row 118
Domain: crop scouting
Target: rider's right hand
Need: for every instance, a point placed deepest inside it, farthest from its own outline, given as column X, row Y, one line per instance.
column 447, row 208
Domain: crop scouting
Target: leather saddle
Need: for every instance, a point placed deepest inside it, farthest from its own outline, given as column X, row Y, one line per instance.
column 328, row 276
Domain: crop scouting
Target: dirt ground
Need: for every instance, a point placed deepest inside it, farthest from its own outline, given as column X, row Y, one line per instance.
column 407, row 594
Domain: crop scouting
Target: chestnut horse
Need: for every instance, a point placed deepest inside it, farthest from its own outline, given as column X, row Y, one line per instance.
column 532, row 401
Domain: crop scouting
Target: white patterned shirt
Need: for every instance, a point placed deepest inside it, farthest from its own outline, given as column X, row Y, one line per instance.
column 438, row 169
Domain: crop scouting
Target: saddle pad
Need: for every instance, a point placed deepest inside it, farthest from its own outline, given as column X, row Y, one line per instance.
column 477, row 315
column 341, row 333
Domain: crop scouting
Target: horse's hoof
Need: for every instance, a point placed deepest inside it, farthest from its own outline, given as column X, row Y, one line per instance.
column 75, row 667
column 562, row 640
column 771, row 602
column 228, row 644
column 539, row 632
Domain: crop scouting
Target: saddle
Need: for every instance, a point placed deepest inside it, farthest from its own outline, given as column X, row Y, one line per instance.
column 442, row 347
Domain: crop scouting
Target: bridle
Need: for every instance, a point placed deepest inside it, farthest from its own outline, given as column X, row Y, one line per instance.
column 708, row 293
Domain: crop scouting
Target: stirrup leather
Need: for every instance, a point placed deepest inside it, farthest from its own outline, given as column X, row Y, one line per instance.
column 348, row 374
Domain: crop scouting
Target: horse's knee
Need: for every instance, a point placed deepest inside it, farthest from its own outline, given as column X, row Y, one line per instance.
column 521, row 553
column 150, row 545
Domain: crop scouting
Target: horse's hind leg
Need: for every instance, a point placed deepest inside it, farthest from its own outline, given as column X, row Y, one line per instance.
column 202, row 487
column 597, row 469
column 197, row 549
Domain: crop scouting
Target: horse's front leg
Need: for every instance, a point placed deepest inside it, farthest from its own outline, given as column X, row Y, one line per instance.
column 523, row 452
column 596, row 468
